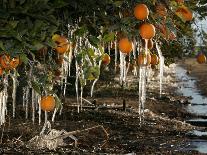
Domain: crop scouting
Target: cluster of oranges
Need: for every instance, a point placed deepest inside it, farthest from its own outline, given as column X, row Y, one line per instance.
column 146, row 30
column 8, row 63
column 147, row 59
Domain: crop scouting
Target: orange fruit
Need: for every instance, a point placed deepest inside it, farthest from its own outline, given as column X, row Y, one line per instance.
column 201, row 58
column 106, row 59
column 154, row 59
column 144, row 59
column 147, row 31
column 184, row 13
column 62, row 43
column 125, row 46
column 47, row 103
column 149, row 44
column 141, row 11
column 14, row 62
column 8, row 63
column 5, row 61
column 161, row 10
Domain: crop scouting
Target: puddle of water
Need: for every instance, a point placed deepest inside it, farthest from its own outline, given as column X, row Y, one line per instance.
column 199, row 145
column 187, row 87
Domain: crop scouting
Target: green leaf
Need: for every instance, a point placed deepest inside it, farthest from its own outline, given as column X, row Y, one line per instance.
column 38, row 46
column 58, row 103
column 118, row 3
column 109, row 37
column 93, row 40
column 2, row 46
column 13, row 23
column 91, row 54
column 91, row 73
column 24, row 58
column 81, row 31
column 36, row 87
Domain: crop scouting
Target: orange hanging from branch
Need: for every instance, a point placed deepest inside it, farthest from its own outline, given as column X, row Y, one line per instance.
column 144, row 59
column 47, row 103
column 184, row 13
column 8, row 63
column 141, row 11
column 125, row 46
column 147, row 31
column 154, row 59
column 62, row 43
column 106, row 59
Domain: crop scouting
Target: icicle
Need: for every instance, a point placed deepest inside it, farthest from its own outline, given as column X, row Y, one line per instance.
column 142, row 84
column 76, row 86
column 161, row 58
column 116, row 53
column 70, row 57
column 122, row 68
column 92, row 88
column 46, row 117
column 81, row 98
column 134, row 48
column 54, row 113
column 26, row 102
column 109, row 48
column 39, row 112
column 14, row 79
column 33, row 105
column 3, row 101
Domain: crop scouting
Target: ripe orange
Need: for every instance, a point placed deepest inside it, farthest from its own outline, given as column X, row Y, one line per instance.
column 147, row 31
column 62, row 43
column 14, row 62
column 184, row 13
column 149, row 44
column 47, row 103
column 141, row 11
column 125, row 46
column 161, row 10
column 144, row 59
column 201, row 58
column 154, row 59
column 106, row 59
column 8, row 63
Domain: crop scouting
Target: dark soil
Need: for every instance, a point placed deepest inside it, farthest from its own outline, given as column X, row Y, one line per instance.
column 161, row 132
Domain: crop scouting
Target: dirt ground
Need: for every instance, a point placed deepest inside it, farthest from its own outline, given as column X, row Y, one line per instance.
column 162, row 131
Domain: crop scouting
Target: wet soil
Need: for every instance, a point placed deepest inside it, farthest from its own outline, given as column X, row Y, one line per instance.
column 163, row 130
column 198, row 71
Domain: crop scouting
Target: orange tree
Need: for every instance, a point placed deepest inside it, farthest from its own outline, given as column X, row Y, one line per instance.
column 28, row 29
